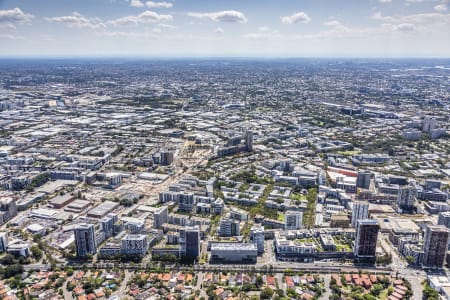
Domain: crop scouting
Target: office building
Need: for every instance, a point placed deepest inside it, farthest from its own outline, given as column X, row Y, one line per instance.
column 190, row 242
column 235, row 145
column 429, row 124
column 360, row 212
column 363, row 179
column 286, row 248
column 107, row 224
column 217, row 206
column 405, row 198
column 85, row 243
column 257, row 237
column 249, row 140
column 444, row 219
column 135, row 244
column 8, row 209
column 113, row 179
column 234, row 253
column 293, row 220
column 186, row 202
column 366, row 239
column 435, row 246
column 166, row 157
column 160, row 217
column 229, row 227
column 19, row 249
column 3, row 241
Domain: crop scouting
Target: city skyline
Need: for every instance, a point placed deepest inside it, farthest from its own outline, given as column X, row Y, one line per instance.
column 134, row 28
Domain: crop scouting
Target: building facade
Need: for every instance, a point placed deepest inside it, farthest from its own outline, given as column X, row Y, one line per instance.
column 135, row 244
column 234, row 253
column 190, row 242
column 435, row 246
column 366, row 238
column 360, row 212
column 85, row 242
column 293, row 220
column 257, row 237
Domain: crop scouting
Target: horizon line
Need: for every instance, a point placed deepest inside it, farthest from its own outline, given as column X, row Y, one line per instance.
column 206, row 57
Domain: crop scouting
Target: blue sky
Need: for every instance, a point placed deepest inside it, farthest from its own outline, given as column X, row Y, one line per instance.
column 250, row 28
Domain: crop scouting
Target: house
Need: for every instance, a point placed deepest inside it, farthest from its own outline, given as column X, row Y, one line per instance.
column 289, row 282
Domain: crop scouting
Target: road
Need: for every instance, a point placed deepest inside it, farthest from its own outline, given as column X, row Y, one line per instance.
column 414, row 276
column 327, row 294
column 122, row 290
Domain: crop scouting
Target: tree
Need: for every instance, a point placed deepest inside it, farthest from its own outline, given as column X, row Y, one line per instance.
column 376, row 289
column 410, row 259
column 266, row 293
column 369, row 297
column 259, row 280
column 8, row 259
column 12, row 270
column 429, row 293
column 36, row 252
column 280, row 292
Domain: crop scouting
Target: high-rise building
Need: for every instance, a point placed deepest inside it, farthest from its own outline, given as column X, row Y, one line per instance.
column 190, row 242
column 229, row 227
column 107, row 224
column 363, row 179
column 366, row 238
column 428, row 124
column 3, row 241
column 160, row 217
column 444, row 219
column 360, row 212
column 293, row 220
column 135, row 226
column 8, row 209
column 135, row 244
column 435, row 246
column 166, row 157
column 405, row 198
column 85, row 239
column 249, row 140
column 257, row 237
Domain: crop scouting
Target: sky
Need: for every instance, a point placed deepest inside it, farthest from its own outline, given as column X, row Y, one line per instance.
column 225, row 28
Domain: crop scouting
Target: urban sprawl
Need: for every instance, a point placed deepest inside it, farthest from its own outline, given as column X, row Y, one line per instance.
column 224, row 179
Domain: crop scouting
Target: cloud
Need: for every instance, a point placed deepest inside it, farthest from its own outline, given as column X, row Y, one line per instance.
column 219, row 30
column 146, row 17
column 167, row 26
column 14, row 16
column 136, row 3
column 128, row 35
column 77, row 20
column 405, row 27
column 300, row 17
column 230, row 16
column 10, row 37
column 264, row 33
column 377, row 16
column 7, row 26
column 151, row 4
column 385, row 1
column 426, row 22
column 440, row 8
column 333, row 23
